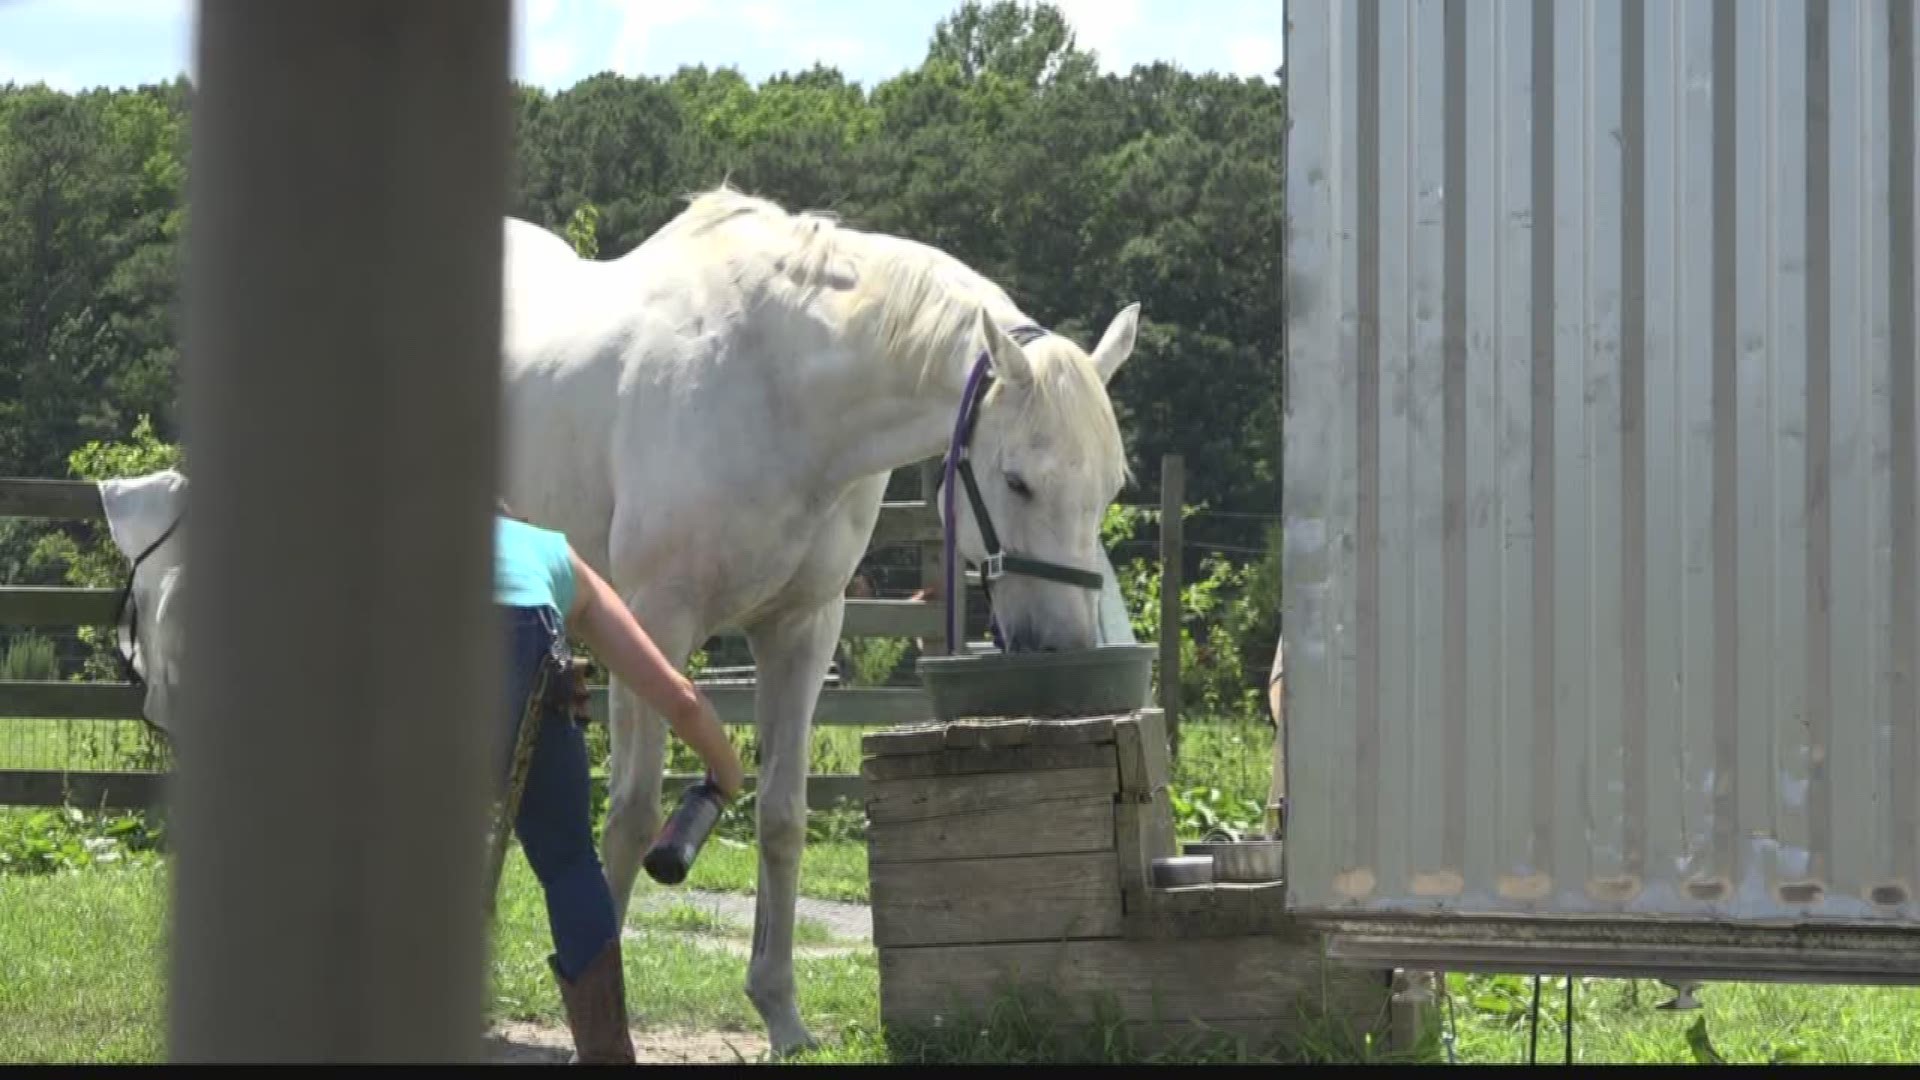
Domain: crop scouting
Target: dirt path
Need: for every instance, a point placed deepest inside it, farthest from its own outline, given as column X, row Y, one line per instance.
column 522, row 1043
column 850, row 922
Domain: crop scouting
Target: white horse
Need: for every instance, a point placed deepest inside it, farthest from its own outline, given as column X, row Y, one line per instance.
column 712, row 418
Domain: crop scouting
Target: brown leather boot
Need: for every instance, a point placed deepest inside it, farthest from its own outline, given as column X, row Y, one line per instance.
column 597, row 1009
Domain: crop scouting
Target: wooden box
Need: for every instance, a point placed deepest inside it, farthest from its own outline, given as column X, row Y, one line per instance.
column 1008, row 854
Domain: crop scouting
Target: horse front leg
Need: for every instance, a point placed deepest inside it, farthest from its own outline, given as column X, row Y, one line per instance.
column 790, row 657
column 637, row 738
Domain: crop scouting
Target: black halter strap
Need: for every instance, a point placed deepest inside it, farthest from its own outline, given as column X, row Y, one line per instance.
column 999, row 562
column 128, row 612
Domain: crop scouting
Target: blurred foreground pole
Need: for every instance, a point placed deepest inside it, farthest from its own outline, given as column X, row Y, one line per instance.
column 342, row 341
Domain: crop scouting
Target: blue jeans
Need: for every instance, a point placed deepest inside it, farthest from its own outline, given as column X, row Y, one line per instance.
column 554, row 823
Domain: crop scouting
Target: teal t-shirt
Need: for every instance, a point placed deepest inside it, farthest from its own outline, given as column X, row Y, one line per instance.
column 531, row 567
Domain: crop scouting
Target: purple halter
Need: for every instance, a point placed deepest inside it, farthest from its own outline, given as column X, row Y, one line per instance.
column 999, row 563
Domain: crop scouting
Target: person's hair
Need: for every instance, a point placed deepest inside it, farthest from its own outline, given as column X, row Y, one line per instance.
column 500, row 505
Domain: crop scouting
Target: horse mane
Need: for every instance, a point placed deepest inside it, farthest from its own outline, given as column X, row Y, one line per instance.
column 913, row 299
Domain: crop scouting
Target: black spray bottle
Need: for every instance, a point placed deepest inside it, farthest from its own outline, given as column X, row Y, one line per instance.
column 679, row 842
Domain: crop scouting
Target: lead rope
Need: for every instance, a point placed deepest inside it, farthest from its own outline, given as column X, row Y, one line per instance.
column 523, row 745
column 975, row 378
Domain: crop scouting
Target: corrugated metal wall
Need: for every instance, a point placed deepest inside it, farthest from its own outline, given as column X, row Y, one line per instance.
column 1601, row 462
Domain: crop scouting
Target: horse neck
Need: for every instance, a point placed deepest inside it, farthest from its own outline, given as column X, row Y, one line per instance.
column 907, row 412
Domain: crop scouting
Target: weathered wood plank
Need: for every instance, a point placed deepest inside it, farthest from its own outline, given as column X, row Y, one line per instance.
column 86, row 790
column 987, row 734
column 856, row 707
column 850, row 706
column 1274, row 981
column 883, row 618
column 910, row 800
column 1147, row 767
column 70, row 700
column 824, row 792
column 861, row 706
column 1138, row 840
column 906, row 522
column 1143, row 816
column 1031, row 898
column 1073, row 826
column 57, row 499
column 1079, row 730
column 1218, row 910
column 36, row 606
column 919, row 738
column 134, row 791
column 969, row 762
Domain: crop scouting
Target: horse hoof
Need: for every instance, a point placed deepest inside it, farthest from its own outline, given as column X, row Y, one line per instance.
column 805, row 1046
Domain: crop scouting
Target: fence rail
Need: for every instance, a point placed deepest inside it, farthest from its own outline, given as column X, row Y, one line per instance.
column 907, row 522
column 146, row 790
column 44, row 606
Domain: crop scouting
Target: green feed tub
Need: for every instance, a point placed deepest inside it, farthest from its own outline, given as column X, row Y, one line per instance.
column 1108, row 679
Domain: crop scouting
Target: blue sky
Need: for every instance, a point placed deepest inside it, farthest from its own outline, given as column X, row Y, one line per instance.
column 71, row 44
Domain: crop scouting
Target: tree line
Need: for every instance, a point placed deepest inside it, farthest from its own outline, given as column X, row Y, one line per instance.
column 1079, row 191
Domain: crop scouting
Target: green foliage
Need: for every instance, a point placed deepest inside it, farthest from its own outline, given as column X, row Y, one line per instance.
column 70, row 839
column 871, row 661
column 30, row 657
column 1007, row 146
column 1229, row 616
column 84, row 554
column 583, row 231
column 1200, row 811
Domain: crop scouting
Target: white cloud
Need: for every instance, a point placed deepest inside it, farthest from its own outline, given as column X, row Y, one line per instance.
column 1107, row 27
column 840, row 52
column 22, row 73
column 638, row 19
column 125, row 10
column 1253, row 55
column 765, row 17
column 543, row 45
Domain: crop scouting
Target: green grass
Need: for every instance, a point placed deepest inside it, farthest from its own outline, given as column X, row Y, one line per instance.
column 82, row 973
column 828, row 871
column 671, row 982
column 82, row 966
column 684, row 918
column 1616, row 1020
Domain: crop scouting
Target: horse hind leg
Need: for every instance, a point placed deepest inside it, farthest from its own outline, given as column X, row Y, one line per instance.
column 790, row 659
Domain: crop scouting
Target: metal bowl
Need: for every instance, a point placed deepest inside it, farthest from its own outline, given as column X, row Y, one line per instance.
column 1102, row 680
column 1242, row 861
column 1178, row 871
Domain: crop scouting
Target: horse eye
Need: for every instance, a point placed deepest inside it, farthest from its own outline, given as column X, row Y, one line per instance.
column 1019, row 486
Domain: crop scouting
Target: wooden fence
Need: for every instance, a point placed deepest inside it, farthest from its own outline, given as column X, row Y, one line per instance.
column 912, row 523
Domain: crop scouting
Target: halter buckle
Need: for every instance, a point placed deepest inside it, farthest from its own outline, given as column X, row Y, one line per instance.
column 994, row 568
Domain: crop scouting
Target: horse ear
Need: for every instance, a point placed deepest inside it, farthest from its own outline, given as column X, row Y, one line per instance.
column 1010, row 363
column 1117, row 343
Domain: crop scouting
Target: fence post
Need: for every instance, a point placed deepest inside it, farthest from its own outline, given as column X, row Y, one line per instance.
column 1173, row 495
column 342, row 355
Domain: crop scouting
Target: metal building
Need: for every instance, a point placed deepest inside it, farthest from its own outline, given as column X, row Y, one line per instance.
column 1601, row 474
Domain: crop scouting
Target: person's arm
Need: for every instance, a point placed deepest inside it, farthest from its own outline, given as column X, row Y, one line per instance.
column 611, row 631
